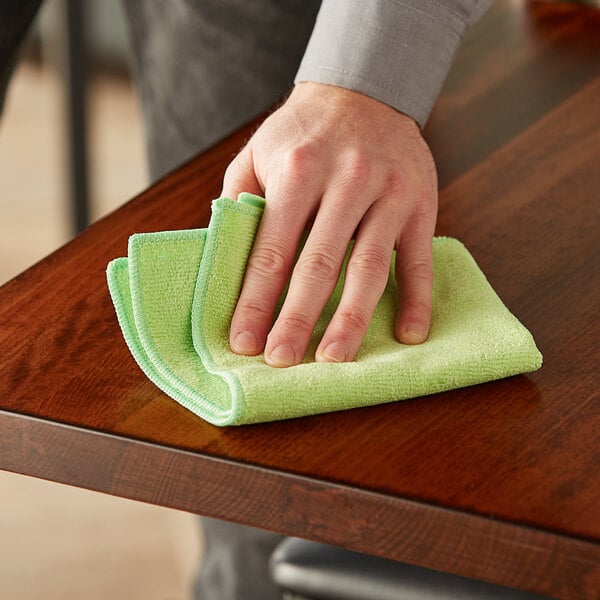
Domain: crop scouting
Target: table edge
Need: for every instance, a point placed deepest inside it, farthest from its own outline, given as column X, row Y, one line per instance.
column 402, row 529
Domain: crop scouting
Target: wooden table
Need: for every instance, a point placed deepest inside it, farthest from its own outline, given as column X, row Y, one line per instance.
column 498, row 481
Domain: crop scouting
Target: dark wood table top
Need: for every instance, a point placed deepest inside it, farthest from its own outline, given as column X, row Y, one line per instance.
column 499, row 481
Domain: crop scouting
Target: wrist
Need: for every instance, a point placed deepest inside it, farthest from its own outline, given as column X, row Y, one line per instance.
column 341, row 98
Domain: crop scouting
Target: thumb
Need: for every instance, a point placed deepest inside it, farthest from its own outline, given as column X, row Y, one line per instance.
column 240, row 176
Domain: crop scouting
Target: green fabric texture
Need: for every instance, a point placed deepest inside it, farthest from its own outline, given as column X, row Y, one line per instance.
column 175, row 295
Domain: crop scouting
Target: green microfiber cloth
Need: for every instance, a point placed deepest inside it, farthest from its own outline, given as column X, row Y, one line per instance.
column 176, row 292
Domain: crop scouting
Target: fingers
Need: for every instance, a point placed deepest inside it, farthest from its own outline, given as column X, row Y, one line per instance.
column 313, row 280
column 315, row 276
column 414, row 273
column 309, row 163
column 367, row 273
column 268, row 269
column 240, row 176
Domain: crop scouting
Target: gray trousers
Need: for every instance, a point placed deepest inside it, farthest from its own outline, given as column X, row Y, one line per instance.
column 203, row 68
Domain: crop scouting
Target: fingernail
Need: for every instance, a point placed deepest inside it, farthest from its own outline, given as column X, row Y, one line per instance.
column 335, row 352
column 245, row 342
column 282, row 356
column 413, row 334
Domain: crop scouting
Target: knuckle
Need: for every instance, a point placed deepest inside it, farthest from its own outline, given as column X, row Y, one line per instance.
column 420, row 269
column 296, row 322
column 353, row 318
column 299, row 159
column 358, row 168
column 426, row 200
column 269, row 260
column 252, row 309
column 430, row 169
column 372, row 264
column 318, row 264
column 396, row 183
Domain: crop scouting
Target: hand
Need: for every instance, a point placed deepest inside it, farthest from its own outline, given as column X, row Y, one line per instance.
column 350, row 165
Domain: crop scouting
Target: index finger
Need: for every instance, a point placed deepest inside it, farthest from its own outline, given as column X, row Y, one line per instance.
column 269, row 266
column 240, row 176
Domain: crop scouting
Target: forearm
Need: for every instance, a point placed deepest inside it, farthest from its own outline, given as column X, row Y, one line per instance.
column 396, row 51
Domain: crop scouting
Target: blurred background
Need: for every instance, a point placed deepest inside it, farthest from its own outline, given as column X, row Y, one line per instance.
column 35, row 171
column 56, row 541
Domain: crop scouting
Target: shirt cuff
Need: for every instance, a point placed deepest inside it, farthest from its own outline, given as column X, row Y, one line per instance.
column 396, row 51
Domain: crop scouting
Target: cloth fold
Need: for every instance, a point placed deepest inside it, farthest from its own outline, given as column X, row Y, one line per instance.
column 176, row 291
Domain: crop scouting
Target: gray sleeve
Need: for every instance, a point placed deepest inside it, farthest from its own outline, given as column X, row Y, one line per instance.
column 397, row 51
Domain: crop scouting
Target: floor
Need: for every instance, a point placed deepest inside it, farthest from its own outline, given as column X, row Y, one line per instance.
column 58, row 542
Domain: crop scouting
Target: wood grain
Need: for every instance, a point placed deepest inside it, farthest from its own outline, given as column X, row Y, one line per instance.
column 384, row 525
column 497, row 481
